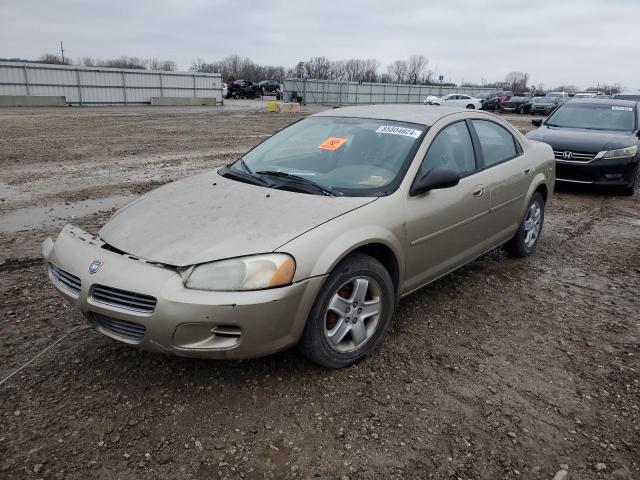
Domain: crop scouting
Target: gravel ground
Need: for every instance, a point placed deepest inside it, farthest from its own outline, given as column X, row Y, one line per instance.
column 508, row 368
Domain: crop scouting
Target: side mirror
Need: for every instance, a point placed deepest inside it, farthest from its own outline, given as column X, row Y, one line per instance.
column 434, row 179
column 537, row 122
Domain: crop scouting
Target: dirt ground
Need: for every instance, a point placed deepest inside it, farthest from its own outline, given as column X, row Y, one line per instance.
column 508, row 368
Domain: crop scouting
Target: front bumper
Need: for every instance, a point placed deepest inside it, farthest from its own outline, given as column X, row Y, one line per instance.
column 183, row 322
column 615, row 172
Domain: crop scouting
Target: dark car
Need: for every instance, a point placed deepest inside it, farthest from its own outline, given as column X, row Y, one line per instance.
column 516, row 104
column 544, row 105
column 269, row 87
column 630, row 95
column 243, row 89
column 495, row 101
column 595, row 142
column 484, row 96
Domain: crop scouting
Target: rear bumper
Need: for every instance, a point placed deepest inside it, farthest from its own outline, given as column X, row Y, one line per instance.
column 617, row 172
column 182, row 322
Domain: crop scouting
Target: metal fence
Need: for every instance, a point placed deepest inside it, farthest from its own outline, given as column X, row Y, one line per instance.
column 97, row 85
column 333, row 92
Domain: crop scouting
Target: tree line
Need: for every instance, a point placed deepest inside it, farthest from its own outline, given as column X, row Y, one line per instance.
column 134, row 63
column 413, row 70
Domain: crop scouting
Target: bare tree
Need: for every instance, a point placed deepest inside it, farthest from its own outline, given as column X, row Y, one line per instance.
column 53, row 59
column 607, row 89
column 164, row 65
column 416, row 68
column 517, row 81
column 566, row 88
column 398, row 71
column 318, row 67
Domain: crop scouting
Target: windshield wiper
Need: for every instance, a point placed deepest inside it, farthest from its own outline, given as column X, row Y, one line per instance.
column 244, row 165
column 246, row 176
column 297, row 178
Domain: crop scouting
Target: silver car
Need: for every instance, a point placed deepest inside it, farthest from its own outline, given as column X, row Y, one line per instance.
column 312, row 237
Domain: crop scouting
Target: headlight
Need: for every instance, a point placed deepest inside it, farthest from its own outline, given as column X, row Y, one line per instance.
column 256, row 272
column 622, row 152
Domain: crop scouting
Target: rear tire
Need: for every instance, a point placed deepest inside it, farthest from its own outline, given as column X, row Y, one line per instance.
column 471, row 107
column 525, row 241
column 350, row 314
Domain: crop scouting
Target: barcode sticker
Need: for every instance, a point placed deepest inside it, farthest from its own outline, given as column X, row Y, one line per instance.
column 407, row 132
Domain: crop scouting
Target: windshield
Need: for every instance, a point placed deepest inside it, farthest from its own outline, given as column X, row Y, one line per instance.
column 518, row 99
column 594, row 116
column 544, row 100
column 554, row 95
column 349, row 156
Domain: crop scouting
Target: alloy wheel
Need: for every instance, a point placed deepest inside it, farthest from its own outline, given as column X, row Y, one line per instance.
column 532, row 224
column 353, row 314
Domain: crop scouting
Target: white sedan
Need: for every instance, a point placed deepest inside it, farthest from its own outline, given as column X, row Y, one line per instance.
column 455, row 100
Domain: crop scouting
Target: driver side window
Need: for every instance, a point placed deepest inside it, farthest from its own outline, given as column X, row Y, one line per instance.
column 451, row 149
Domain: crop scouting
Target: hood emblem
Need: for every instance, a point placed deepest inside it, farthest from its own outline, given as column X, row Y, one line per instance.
column 567, row 155
column 95, row 266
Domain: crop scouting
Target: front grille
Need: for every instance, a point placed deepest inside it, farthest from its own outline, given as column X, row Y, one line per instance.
column 123, row 299
column 121, row 328
column 575, row 156
column 65, row 279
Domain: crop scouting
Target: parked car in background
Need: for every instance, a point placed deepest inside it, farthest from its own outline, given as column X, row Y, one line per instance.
column 225, row 90
column 585, row 95
column 517, row 104
column 561, row 95
column 269, row 87
column 595, row 141
column 494, row 102
column 458, row 100
column 628, row 95
column 311, row 238
column 243, row 89
column 544, row 105
column 483, row 96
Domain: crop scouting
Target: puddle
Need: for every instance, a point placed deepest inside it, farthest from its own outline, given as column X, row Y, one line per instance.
column 57, row 214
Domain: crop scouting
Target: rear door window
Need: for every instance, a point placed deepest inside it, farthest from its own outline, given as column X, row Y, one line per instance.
column 496, row 142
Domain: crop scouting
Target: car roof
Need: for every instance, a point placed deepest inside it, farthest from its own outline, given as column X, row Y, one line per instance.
column 421, row 114
column 614, row 102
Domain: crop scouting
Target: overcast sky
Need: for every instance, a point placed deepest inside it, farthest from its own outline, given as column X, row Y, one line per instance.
column 578, row 42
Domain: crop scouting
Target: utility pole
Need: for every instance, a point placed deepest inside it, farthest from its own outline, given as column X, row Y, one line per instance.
column 62, row 51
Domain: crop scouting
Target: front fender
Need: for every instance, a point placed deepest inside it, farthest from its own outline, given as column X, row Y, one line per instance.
column 318, row 251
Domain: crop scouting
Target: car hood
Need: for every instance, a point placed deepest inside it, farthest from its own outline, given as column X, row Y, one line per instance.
column 209, row 217
column 581, row 140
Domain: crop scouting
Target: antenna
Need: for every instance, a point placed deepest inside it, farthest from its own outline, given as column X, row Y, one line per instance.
column 62, row 51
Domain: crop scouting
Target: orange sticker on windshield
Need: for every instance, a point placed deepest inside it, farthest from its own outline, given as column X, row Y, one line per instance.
column 332, row 143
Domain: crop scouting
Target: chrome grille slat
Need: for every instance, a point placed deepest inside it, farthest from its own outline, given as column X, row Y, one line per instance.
column 123, row 328
column 123, row 298
column 575, row 156
column 65, row 279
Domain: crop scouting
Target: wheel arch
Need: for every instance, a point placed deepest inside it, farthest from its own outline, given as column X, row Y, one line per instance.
column 386, row 256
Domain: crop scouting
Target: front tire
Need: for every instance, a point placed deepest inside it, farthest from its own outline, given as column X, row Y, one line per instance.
column 351, row 313
column 629, row 191
column 471, row 107
column 524, row 242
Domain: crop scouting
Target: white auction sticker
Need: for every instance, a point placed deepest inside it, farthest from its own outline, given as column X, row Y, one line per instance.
column 624, row 109
column 407, row 132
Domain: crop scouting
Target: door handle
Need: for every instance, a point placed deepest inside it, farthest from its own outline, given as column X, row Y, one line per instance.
column 478, row 191
column 528, row 171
